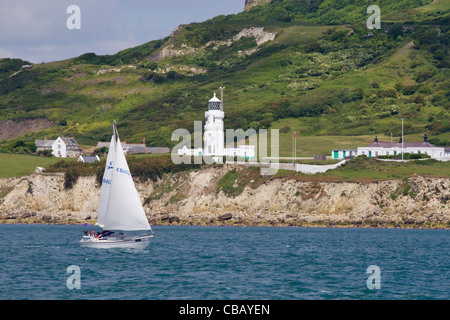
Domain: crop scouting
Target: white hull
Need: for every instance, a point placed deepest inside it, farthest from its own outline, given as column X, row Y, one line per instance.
column 134, row 242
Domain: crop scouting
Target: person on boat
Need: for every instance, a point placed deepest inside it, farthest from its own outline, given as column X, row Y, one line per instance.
column 104, row 234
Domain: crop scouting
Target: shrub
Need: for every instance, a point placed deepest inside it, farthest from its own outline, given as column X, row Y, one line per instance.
column 313, row 47
column 173, row 75
column 285, row 129
column 151, row 76
column 101, row 151
column 409, row 90
column 150, row 65
column 372, row 98
column 423, row 76
column 389, row 93
column 373, row 84
column 438, row 142
column 227, row 182
column 419, row 99
column 415, row 156
column 45, row 153
column 70, row 178
column 157, row 78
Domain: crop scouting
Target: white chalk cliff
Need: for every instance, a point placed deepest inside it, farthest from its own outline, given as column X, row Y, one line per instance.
column 193, row 198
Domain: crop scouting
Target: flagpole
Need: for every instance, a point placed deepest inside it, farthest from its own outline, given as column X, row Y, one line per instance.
column 293, row 152
column 403, row 138
column 294, row 148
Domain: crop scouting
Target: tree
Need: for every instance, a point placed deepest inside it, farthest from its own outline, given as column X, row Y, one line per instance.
column 254, row 125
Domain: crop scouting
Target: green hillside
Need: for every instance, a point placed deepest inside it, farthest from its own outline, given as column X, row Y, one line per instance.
column 310, row 66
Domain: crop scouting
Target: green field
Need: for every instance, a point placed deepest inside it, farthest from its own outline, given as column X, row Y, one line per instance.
column 363, row 170
column 152, row 166
column 308, row 145
column 18, row 165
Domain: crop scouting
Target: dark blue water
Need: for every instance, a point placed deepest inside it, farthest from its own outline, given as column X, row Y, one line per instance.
column 228, row 263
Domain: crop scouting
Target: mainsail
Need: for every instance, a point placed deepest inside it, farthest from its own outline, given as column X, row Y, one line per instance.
column 124, row 210
column 106, row 183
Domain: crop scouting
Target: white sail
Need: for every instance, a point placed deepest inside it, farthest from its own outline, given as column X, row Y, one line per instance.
column 125, row 211
column 106, row 183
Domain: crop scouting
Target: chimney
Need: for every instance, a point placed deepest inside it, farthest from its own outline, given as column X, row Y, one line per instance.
column 143, row 141
column 376, row 139
column 425, row 138
column 401, row 140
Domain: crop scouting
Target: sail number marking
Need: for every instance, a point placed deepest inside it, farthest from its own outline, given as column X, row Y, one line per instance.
column 124, row 171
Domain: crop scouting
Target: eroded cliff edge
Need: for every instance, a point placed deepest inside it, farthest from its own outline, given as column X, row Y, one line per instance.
column 201, row 197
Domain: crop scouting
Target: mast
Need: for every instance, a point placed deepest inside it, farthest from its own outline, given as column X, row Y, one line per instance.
column 115, row 131
column 107, row 180
column 125, row 211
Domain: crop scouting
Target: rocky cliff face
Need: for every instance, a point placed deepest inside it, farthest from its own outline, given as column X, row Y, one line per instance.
column 251, row 3
column 192, row 198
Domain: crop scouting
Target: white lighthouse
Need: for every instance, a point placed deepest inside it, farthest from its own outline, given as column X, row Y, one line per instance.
column 214, row 137
column 214, row 131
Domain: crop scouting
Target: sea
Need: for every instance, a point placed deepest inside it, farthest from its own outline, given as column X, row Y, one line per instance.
column 45, row 262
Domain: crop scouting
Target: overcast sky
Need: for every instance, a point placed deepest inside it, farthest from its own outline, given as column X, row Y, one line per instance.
column 35, row 30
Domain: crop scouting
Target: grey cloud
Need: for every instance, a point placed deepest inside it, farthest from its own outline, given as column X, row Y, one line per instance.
column 36, row 30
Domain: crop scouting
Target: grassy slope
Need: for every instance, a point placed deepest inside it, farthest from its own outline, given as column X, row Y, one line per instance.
column 72, row 90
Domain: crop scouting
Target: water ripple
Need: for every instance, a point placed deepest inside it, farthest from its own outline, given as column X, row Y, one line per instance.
column 228, row 263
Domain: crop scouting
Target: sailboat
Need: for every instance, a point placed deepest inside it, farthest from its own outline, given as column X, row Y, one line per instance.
column 120, row 207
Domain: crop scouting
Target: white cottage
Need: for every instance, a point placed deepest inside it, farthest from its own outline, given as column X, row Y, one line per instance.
column 63, row 147
column 397, row 148
column 343, row 153
column 58, row 147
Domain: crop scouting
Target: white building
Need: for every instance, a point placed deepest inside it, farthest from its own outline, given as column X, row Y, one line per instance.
column 397, row 148
column 58, row 147
column 63, row 147
column 214, row 137
column 343, row 153
column 190, row 152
